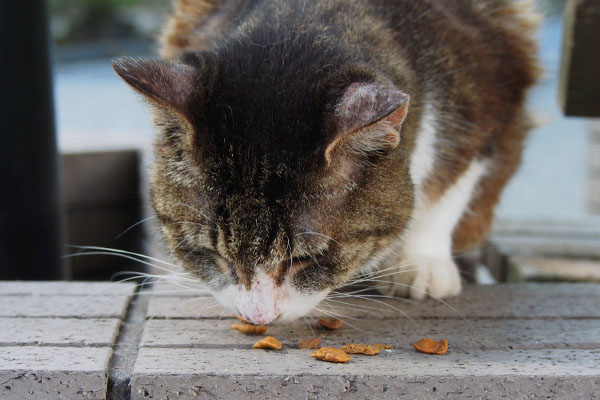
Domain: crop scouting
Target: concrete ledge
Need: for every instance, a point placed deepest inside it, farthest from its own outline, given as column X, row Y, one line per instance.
column 497, row 301
column 499, row 334
column 57, row 338
column 366, row 387
column 53, row 372
column 511, row 340
column 62, row 288
column 253, row 374
column 59, row 332
column 64, row 306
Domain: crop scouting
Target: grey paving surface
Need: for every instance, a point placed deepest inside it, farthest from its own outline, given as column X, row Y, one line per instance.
column 506, row 341
column 59, row 331
column 57, row 338
column 53, row 372
column 498, row 334
column 400, row 362
column 64, row 288
column 401, row 374
column 499, row 301
column 64, row 306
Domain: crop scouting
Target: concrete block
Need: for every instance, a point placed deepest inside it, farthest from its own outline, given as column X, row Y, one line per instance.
column 29, row 372
column 186, row 289
column 486, row 334
column 65, row 288
column 497, row 301
column 64, row 306
column 185, row 307
column 253, row 374
column 58, row 332
column 553, row 269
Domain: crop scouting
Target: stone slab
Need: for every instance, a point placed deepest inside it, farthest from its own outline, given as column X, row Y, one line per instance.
column 350, row 387
column 395, row 363
column 482, row 334
column 59, row 332
column 29, row 372
column 549, row 246
column 555, row 268
column 249, row 374
column 531, row 300
column 163, row 288
column 64, row 288
column 114, row 306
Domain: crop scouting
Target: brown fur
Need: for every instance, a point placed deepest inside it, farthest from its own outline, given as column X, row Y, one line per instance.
column 509, row 22
column 260, row 153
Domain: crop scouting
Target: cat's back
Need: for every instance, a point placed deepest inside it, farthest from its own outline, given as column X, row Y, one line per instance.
column 473, row 45
column 200, row 24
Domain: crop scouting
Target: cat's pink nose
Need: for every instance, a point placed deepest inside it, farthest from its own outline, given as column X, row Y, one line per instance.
column 261, row 318
column 261, row 304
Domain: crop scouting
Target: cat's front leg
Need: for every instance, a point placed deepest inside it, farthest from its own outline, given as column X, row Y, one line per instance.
column 435, row 276
column 425, row 266
column 420, row 275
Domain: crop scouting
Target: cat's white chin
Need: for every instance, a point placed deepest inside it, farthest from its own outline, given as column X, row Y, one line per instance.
column 266, row 302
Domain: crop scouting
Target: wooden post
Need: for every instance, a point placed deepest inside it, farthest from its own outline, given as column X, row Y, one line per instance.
column 30, row 208
column 579, row 86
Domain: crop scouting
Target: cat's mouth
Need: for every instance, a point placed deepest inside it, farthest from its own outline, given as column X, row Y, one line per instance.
column 266, row 302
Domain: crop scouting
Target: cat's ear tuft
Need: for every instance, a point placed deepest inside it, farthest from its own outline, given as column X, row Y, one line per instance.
column 368, row 119
column 163, row 82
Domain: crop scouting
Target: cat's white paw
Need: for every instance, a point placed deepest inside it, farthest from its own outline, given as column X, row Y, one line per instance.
column 427, row 276
column 436, row 278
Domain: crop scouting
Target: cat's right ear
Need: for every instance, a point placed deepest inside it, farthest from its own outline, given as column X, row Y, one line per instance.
column 163, row 83
column 367, row 121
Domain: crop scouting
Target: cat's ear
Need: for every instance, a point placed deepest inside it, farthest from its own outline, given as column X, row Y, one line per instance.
column 367, row 121
column 164, row 83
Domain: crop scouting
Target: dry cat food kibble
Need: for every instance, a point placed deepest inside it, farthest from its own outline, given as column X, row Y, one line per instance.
column 359, row 348
column 430, row 346
column 383, row 346
column 250, row 329
column 268, row 342
column 330, row 354
column 330, row 323
column 313, row 343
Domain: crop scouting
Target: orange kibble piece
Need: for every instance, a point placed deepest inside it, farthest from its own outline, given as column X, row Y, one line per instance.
column 250, row 329
column 430, row 346
column 383, row 346
column 330, row 323
column 268, row 342
column 330, row 354
column 313, row 343
column 358, row 348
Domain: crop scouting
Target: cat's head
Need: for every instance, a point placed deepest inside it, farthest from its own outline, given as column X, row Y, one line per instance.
column 274, row 185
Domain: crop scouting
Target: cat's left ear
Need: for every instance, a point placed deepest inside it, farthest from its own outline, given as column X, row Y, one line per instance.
column 164, row 83
column 367, row 120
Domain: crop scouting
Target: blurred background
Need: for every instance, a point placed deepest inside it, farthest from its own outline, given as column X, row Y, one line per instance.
column 549, row 211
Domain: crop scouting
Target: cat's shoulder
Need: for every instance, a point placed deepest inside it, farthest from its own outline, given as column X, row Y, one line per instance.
column 193, row 24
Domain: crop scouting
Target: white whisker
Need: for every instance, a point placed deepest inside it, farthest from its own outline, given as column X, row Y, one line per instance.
column 133, row 226
column 309, row 326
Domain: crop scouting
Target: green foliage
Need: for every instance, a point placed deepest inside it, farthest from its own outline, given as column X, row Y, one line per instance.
column 60, row 6
column 84, row 20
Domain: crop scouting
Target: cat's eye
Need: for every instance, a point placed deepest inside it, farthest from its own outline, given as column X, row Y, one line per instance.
column 296, row 264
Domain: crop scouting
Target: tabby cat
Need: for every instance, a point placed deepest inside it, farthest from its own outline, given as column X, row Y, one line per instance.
column 302, row 143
